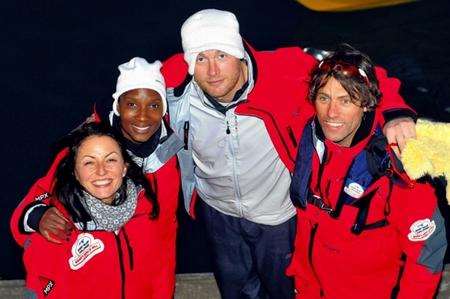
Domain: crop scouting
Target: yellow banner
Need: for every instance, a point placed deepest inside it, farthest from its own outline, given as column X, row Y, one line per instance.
column 348, row 5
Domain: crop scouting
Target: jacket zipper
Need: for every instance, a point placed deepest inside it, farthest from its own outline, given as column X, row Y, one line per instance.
column 186, row 135
column 292, row 136
column 130, row 249
column 235, row 176
column 310, row 254
column 122, row 266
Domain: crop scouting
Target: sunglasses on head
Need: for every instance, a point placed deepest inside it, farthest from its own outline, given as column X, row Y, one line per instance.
column 347, row 69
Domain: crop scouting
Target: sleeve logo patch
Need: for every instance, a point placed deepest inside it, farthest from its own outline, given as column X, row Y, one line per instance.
column 84, row 249
column 421, row 230
column 42, row 196
column 48, row 288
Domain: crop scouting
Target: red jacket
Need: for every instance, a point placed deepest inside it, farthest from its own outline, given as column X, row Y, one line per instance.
column 331, row 261
column 165, row 181
column 100, row 264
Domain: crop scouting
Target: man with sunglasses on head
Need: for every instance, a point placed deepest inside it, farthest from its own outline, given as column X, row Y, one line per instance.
column 363, row 227
column 238, row 111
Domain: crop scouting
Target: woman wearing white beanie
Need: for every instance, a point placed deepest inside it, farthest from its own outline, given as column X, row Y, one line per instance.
column 137, row 114
column 140, row 98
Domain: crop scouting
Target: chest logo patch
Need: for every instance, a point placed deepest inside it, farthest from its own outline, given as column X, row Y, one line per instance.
column 421, row 230
column 353, row 189
column 84, row 249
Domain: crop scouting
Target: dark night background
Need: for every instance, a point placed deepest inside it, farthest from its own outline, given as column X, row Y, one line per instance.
column 57, row 59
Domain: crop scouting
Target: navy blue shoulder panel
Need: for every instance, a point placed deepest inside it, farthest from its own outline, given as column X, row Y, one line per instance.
column 303, row 167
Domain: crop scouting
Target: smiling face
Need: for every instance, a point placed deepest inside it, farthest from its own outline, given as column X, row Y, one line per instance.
column 220, row 74
column 140, row 113
column 338, row 115
column 100, row 167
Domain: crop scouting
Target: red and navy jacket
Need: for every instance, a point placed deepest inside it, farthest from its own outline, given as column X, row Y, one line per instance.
column 363, row 228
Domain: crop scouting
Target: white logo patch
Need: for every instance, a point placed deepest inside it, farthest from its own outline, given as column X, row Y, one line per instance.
column 421, row 230
column 353, row 189
column 84, row 248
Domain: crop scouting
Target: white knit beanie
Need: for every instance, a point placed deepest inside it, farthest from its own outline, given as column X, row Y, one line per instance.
column 210, row 29
column 138, row 73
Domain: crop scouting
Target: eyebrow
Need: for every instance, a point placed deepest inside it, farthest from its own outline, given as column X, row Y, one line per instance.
column 89, row 156
column 328, row 96
column 323, row 94
column 128, row 97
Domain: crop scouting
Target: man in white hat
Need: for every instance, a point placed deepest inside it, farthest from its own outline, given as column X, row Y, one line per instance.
column 238, row 116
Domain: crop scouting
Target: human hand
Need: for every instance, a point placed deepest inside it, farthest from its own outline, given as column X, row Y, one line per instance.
column 54, row 227
column 398, row 131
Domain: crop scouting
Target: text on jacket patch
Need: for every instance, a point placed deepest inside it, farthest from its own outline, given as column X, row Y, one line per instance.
column 84, row 249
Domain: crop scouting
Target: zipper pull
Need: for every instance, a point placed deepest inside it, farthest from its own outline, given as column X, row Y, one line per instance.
column 228, row 128
column 186, row 134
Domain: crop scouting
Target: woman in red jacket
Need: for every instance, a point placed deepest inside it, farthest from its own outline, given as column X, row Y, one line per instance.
column 137, row 116
column 104, row 194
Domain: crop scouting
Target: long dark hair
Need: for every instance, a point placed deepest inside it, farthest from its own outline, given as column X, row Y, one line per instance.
column 354, row 70
column 69, row 191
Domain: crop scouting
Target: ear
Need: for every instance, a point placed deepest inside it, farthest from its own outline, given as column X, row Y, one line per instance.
column 116, row 107
column 365, row 109
column 124, row 172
